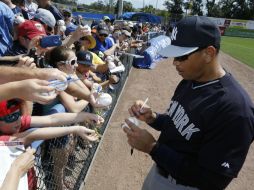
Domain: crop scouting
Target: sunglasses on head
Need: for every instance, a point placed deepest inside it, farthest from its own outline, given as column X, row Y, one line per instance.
column 185, row 57
column 70, row 62
column 11, row 117
column 104, row 35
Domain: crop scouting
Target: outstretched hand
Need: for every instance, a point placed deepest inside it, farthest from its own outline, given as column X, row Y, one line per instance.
column 80, row 32
column 26, row 62
column 87, row 134
column 35, row 90
column 94, row 119
column 25, row 161
column 51, row 74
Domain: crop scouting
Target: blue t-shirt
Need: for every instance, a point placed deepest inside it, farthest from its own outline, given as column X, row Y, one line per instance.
column 102, row 46
column 15, row 49
column 16, row 10
column 6, row 27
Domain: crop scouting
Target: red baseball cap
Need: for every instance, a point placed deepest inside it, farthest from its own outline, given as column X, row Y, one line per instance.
column 31, row 29
column 8, row 107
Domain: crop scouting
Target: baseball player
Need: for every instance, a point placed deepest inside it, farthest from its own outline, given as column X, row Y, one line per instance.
column 208, row 128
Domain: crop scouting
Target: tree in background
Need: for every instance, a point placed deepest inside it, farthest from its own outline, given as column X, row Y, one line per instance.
column 238, row 9
column 241, row 10
column 174, row 8
column 197, row 7
column 97, row 5
column 251, row 5
column 148, row 9
column 187, row 6
column 127, row 6
column 111, row 5
column 164, row 14
column 213, row 8
column 227, row 8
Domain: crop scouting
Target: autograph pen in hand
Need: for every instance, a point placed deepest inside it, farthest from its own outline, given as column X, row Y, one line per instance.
column 140, row 112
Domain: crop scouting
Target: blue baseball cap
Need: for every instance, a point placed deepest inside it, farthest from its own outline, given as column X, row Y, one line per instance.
column 85, row 58
column 191, row 33
column 71, row 28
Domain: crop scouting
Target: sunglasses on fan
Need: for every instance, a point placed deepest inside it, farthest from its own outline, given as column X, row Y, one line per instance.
column 11, row 117
column 70, row 62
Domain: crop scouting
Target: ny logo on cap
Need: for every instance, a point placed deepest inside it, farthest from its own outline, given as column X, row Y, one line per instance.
column 174, row 33
column 88, row 57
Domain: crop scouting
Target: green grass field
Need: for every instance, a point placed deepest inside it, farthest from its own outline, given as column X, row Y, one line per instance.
column 240, row 48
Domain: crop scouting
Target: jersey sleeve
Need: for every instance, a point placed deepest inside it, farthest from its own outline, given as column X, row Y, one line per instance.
column 226, row 143
column 161, row 122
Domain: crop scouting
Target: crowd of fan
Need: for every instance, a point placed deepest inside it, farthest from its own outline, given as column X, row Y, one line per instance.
column 85, row 62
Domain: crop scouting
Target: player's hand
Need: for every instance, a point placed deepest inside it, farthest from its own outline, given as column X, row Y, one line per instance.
column 24, row 161
column 146, row 114
column 138, row 138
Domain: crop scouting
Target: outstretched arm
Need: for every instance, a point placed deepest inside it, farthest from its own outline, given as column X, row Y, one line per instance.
column 18, row 73
column 30, row 136
column 71, row 104
column 59, row 119
column 30, row 90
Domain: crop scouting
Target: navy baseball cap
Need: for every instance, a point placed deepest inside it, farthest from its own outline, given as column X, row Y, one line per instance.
column 85, row 58
column 102, row 29
column 191, row 33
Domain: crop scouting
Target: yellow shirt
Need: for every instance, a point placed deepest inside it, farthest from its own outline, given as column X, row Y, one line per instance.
column 96, row 59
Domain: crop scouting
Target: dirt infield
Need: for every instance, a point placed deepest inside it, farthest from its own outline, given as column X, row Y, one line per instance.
column 114, row 168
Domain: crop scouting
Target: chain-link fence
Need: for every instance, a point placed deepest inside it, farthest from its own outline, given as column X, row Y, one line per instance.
column 63, row 163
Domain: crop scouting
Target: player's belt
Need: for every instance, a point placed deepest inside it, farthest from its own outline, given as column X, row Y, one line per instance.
column 172, row 180
column 166, row 175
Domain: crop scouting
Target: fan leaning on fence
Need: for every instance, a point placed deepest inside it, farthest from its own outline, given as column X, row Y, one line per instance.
column 26, row 129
